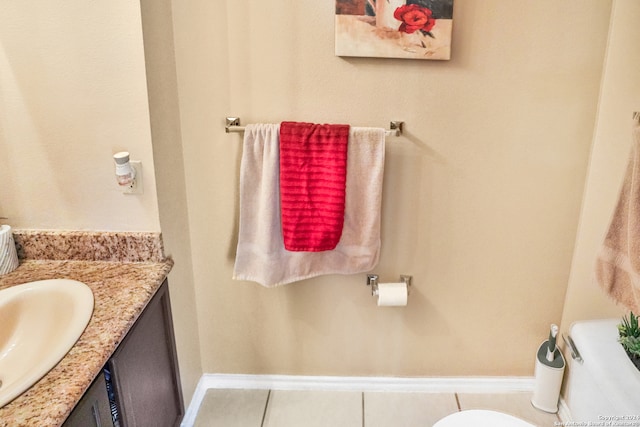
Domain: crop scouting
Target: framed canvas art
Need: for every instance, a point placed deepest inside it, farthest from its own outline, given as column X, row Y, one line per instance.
column 411, row 29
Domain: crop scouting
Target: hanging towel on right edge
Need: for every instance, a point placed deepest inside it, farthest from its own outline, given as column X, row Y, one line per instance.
column 618, row 264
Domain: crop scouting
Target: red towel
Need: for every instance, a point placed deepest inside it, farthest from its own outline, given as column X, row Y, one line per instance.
column 313, row 172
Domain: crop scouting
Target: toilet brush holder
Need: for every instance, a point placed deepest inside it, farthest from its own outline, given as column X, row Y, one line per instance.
column 548, row 379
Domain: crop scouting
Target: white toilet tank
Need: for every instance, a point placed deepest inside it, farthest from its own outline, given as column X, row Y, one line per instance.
column 606, row 385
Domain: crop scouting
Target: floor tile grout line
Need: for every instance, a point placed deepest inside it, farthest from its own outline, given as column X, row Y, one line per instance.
column 363, row 409
column 266, row 405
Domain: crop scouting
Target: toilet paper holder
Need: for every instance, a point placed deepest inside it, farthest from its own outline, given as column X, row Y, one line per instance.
column 372, row 280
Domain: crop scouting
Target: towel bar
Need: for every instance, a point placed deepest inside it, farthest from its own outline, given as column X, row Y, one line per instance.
column 233, row 125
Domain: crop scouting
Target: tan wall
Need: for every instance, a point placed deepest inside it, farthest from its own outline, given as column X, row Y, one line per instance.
column 167, row 151
column 620, row 96
column 481, row 195
column 72, row 93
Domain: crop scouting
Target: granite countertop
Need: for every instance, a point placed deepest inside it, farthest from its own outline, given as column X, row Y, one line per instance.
column 124, row 270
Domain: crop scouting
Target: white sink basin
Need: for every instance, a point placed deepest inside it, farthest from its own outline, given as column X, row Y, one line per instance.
column 39, row 323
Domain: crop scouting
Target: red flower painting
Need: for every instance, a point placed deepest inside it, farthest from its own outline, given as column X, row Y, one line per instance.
column 409, row 29
column 415, row 18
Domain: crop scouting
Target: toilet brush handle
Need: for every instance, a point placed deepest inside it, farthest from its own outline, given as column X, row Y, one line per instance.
column 551, row 349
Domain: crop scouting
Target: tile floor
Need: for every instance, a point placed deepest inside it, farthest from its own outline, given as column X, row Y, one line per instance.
column 284, row 408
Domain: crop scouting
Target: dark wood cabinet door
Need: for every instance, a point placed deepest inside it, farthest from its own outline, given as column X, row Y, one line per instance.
column 144, row 369
column 93, row 409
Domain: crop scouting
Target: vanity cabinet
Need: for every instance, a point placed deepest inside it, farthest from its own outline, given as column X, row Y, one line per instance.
column 93, row 410
column 143, row 372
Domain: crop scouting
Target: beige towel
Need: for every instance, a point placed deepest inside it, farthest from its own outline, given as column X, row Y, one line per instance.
column 618, row 265
column 261, row 256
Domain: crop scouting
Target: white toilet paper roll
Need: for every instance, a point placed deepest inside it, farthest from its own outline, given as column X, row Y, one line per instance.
column 8, row 254
column 392, row 294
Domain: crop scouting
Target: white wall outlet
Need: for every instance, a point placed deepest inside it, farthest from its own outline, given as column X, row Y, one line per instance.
column 136, row 186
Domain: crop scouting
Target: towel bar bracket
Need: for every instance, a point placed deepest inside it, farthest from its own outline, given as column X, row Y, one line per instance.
column 396, row 127
column 231, row 121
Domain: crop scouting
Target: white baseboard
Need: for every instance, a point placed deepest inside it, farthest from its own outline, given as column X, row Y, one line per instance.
column 364, row 384
column 563, row 412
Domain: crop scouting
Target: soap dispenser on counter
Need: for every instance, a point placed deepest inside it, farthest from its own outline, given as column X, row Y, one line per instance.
column 8, row 254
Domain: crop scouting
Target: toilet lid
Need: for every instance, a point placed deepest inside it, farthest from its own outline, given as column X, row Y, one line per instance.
column 481, row 418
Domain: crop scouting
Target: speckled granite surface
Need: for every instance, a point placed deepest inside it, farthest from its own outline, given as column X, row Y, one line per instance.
column 121, row 288
column 89, row 245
